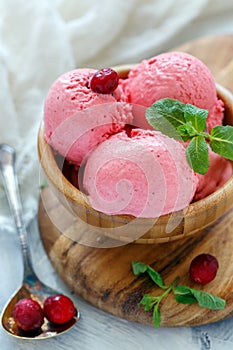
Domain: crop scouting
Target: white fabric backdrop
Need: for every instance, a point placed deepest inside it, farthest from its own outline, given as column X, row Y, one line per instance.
column 39, row 40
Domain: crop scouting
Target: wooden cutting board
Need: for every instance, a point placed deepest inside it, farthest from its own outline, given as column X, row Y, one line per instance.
column 103, row 276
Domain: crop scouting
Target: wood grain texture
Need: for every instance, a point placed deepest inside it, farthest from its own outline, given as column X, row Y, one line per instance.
column 103, row 276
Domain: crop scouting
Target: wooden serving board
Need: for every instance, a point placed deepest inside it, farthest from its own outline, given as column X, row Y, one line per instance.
column 103, row 276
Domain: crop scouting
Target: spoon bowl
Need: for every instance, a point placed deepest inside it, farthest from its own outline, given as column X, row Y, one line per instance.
column 31, row 287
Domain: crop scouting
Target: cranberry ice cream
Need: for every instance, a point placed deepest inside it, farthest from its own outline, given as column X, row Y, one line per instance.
column 145, row 175
column 176, row 75
column 77, row 119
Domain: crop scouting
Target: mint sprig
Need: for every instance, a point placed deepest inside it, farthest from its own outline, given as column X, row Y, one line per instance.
column 187, row 122
column 183, row 294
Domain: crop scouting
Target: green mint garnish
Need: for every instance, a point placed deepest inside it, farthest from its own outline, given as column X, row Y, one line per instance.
column 182, row 294
column 187, row 122
column 139, row 268
column 221, row 141
column 197, row 155
column 186, row 295
column 166, row 115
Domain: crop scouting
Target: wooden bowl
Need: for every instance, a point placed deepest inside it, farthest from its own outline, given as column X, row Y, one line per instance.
column 125, row 228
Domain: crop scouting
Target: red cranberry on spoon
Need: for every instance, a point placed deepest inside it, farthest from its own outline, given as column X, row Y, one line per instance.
column 28, row 314
column 59, row 309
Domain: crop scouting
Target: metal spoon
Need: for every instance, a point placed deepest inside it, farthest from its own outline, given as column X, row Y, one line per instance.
column 31, row 287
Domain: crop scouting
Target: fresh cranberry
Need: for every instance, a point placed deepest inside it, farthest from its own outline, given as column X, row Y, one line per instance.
column 28, row 314
column 59, row 309
column 203, row 268
column 104, row 81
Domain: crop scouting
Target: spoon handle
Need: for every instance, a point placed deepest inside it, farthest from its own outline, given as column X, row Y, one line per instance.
column 10, row 181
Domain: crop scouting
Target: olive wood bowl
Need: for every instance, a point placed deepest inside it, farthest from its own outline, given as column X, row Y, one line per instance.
column 125, row 228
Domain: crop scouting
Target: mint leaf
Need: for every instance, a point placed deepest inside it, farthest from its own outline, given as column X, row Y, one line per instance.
column 156, row 277
column 139, row 268
column 197, row 155
column 166, row 115
column 208, row 300
column 221, row 141
column 156, row 317
column 170, row 109
column 184, row 295
column 196, row 116
column 148, row 301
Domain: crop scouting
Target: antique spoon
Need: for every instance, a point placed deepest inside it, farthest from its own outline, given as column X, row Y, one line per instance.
column 31, row 287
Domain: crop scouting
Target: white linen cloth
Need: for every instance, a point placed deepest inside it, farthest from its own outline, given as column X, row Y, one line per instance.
column 39, row 40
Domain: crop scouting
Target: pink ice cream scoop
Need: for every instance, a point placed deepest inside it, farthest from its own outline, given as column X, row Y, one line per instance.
column 176, row 75
column 219, row 172
column 144, row 175
column 76, row 119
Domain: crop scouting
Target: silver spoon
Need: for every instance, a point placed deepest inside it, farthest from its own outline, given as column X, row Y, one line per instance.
column 31, row 287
